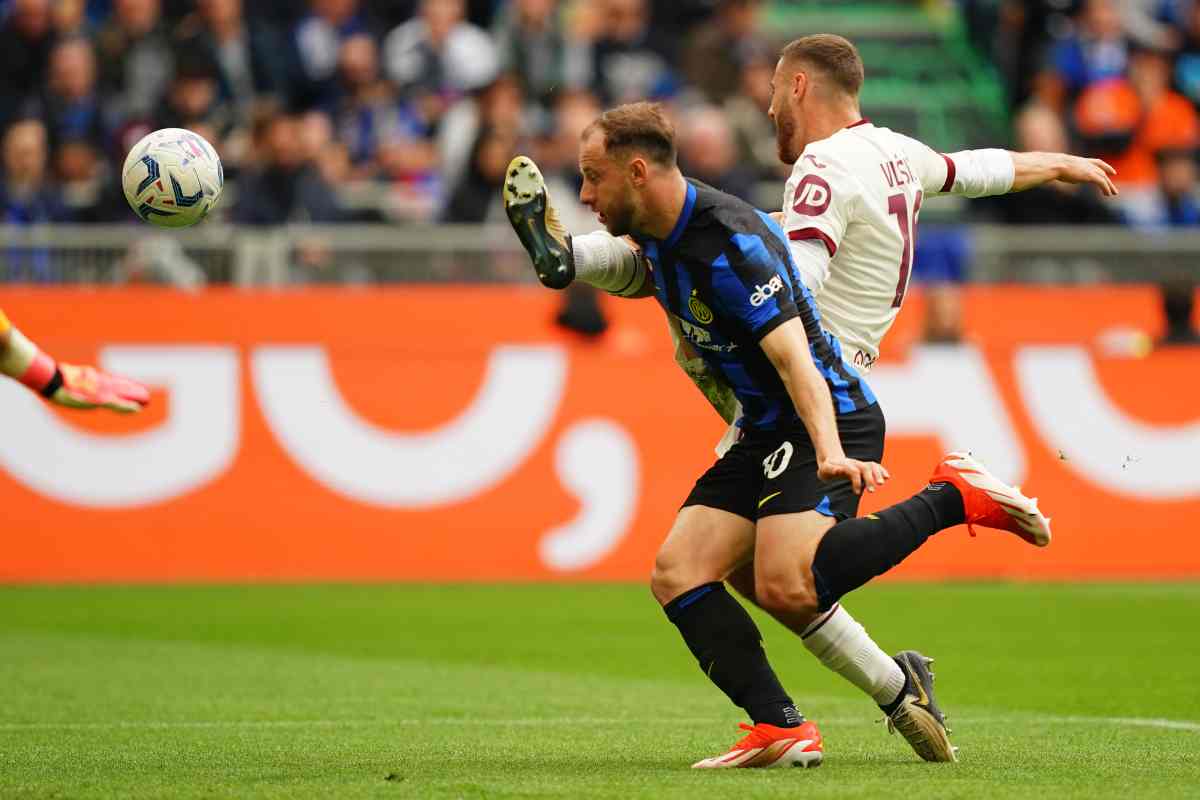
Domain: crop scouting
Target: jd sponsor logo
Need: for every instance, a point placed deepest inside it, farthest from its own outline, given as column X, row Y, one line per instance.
column 765, row 292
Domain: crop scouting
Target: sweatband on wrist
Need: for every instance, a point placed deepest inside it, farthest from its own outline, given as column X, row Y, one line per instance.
column 41, row 372
column 24, row 361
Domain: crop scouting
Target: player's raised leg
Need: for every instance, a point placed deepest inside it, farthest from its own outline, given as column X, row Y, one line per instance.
column 704, row 545
column 960, row 491
column 600, row 259
column 543, row 236
column 991, row 502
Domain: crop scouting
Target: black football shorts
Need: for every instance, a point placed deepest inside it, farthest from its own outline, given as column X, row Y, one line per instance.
column 775, row 472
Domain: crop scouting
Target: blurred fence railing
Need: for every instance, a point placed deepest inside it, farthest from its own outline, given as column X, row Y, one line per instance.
column 364, row 254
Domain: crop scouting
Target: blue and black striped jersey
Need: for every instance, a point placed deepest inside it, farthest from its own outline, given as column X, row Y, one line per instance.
column 727, row 273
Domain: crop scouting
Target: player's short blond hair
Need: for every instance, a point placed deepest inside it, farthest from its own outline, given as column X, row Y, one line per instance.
column 834, row 56
column 637, row 127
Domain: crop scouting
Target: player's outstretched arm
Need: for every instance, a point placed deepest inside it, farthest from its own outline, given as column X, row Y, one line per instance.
column 1034, row 169
column 988, row 172
column 787, row 348
column 65, row 384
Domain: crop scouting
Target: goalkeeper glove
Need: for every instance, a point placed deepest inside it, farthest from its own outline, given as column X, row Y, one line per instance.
column 66, row 384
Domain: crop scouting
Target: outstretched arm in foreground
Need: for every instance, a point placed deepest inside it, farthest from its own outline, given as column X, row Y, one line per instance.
column 65, row 384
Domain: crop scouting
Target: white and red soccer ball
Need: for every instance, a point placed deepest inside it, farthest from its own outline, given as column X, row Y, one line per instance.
column 172, row 178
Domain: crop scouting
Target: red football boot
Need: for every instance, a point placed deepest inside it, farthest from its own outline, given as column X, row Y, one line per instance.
column 992, row 503
column 770, row 746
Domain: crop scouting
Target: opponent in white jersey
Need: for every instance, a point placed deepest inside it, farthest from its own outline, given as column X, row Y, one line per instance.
column 857, row 194
column 851, row 205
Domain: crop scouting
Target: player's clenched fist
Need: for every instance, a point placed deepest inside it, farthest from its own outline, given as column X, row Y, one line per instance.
column 861, row 474
column 65, row 384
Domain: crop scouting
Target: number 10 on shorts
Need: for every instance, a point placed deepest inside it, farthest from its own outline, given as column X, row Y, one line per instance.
column 776, row 463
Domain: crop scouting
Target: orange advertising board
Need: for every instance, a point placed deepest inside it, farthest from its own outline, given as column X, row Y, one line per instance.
column 454, row 433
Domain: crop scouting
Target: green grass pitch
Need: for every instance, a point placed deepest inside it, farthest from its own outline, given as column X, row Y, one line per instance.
column 572, row 691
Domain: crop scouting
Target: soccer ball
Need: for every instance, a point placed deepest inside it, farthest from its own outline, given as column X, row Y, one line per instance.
column 172, row 178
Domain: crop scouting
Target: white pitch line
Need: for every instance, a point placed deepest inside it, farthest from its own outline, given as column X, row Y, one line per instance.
column 1141, row 722
column 348, row 723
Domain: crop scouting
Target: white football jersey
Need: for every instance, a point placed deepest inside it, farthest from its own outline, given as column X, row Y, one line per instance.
column 859, row 192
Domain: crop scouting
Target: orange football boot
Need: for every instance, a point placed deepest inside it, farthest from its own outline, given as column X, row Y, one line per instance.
column 770, row 746
column 990, row 502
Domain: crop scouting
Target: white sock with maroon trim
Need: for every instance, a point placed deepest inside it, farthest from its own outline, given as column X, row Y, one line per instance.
column 842, row 644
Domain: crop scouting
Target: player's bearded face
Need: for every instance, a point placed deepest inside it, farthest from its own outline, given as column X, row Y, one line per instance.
column 606, row 189
column 618, row 211
column 785, row 130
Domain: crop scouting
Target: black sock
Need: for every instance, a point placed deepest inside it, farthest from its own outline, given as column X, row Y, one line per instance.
column 726, row 642
column 856, row 550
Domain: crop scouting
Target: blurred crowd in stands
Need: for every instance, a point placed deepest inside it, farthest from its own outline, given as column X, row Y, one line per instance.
column 1117, row 79
column 331, row 110
column 410, row 108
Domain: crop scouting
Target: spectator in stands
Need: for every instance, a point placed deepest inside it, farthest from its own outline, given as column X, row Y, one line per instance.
column 1177, row 203
column 437, row 57
column 360, row 200
column 1038, row 128
column 365, row 112
column 26, row 37
column 70, row 105
column 70, row 18
column 1169, row 120
column 557, row 154
column 135, row 58
column 629, row 58
column 1128, row 122
column 499, row 105
column 1179, row 302
column 286, row 188
column 1096, row 51
column 90, row 190
column 250, row 55
column 476, row 198
column 192, row 99
column 27, row 197
column 1187, row 62
column 534, row 45
column 708, row 152
column 317, row 40
column 473, row 190
column 717, row 50
column 753, row 131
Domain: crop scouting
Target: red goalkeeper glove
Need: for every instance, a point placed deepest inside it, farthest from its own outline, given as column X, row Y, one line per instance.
column 66, row 384
column 88, row 387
